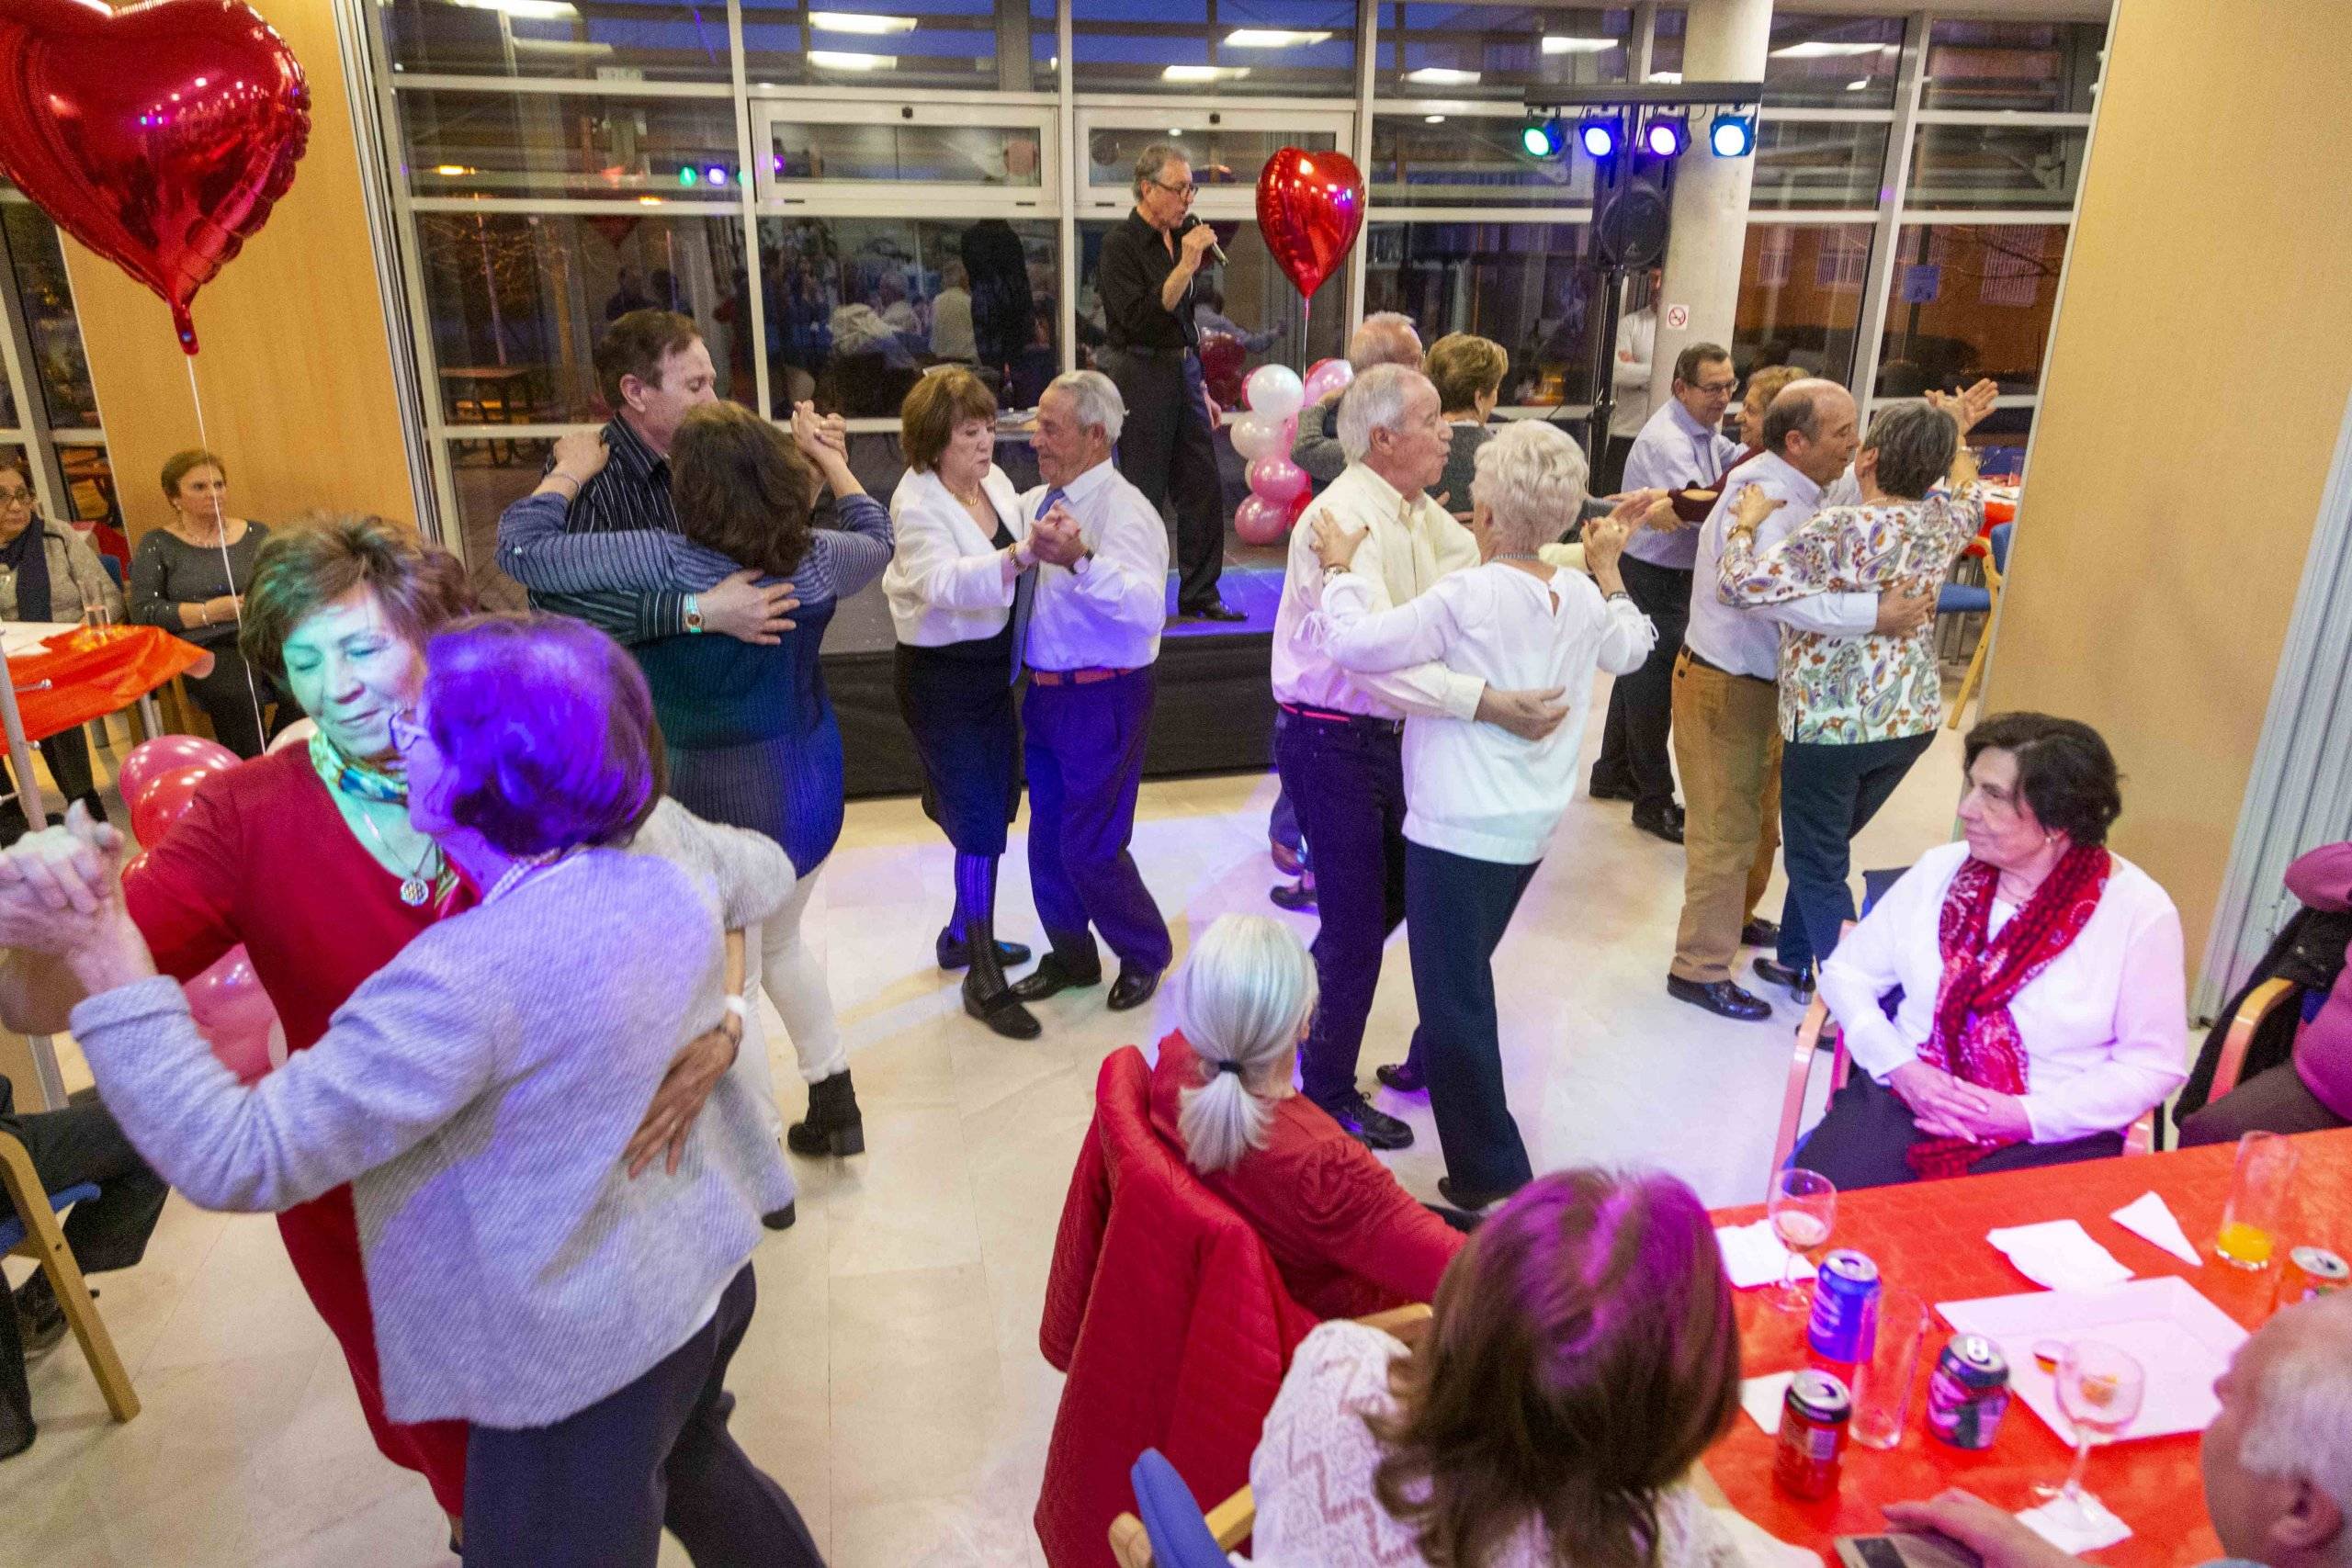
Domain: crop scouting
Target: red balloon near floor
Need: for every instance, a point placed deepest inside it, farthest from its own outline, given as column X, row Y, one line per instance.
column 166, row 801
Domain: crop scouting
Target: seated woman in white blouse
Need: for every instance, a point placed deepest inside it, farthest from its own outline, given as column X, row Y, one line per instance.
column 2044, row 1003
column 1593, row 1307
column 1480, row 803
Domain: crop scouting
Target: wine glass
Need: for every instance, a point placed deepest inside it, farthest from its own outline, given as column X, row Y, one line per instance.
column 1803, row 1207
column 2100, row 1389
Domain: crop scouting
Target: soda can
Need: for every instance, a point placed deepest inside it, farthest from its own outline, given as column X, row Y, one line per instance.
column 1968, row 1393
column 1811, row 1446
column 2311, row 1271
column 1844, row 1324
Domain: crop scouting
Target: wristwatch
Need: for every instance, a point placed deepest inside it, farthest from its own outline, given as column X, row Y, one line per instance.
column 694, row 616
column 1079, row 566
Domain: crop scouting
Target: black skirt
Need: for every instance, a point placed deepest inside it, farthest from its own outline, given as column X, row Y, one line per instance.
column 957, row 702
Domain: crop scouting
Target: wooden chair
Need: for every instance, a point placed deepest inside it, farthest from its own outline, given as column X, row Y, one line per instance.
column 1817, row 1025
column 36, row 1234
column 1997, row 562
column 1232, row 1520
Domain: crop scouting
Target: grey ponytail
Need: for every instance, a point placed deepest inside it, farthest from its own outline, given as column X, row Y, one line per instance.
column 1245, row 994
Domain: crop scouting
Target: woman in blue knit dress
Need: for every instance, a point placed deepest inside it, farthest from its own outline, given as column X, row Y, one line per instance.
column 752, row 736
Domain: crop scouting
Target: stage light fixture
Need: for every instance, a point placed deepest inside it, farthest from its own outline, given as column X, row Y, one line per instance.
column 1732, row 135
column 1540, row 138
column 1665, row 136
column 1600, row 136
column 716, row 174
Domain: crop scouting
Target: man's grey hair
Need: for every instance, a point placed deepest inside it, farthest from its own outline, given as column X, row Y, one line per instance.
column 1376, row 400
column 2302, row 1423
column 1386, row 337
column 1096, row 399
column 1154, row 158
column 1915, row 443
column 1795, row 409
column 1532, row 476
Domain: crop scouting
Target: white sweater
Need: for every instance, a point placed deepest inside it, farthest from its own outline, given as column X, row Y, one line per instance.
column 945, row 583
column 1475, row 789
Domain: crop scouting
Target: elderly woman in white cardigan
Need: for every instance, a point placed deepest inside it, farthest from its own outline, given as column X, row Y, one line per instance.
column 1480, row 803
column 482, row 1093
column 953, row 582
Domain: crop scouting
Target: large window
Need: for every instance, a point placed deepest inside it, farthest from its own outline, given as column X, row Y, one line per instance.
column 1819, row 62
column 2026, row 66
column 48, row 408
column 1247, row 48
column 1970, row 302
column 1529, row 286
column 1998, row 166
column 1279, row 327
column 570, row 144
column 659, row 40
column 1800, row 291
column 1471, row 50
column 1441, row 160
column 971, row 45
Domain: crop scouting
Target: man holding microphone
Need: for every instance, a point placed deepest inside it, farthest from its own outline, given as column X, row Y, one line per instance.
column 1146, row 286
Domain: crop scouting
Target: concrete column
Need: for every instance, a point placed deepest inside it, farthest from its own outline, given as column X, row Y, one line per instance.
column 1724, row 42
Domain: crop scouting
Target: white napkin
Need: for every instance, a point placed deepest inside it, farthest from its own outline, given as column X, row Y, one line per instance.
column 2060, row 1254
column 1753, row 1255
column 2054, row 1523
column 2147, row 1217
column 1761, row 1398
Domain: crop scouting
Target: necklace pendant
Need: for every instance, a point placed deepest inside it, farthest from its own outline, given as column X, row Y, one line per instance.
column 414, row 891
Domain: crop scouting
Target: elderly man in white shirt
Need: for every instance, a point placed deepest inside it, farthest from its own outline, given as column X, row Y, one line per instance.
column 1682, row 448
column 1094, row 632
column 1726, row 718
column 1338, row 741
column 1629, row 407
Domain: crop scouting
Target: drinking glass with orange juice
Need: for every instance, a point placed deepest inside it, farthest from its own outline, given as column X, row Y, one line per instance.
column 2266, row 1167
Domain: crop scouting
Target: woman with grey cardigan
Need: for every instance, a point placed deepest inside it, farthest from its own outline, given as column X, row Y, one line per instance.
column 480, row 1094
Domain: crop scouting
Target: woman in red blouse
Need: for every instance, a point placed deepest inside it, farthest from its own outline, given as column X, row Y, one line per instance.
column 1348, row 1239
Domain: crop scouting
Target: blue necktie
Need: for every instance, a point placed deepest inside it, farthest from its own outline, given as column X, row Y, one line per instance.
column 1025, row 593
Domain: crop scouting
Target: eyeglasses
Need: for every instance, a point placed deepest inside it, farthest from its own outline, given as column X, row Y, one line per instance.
column 1718, row 388
column 16, row 498
column 407, row 734
column 1185, row 192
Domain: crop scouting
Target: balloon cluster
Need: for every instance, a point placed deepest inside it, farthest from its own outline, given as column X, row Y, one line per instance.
column 1279, row 488
column 159, row 781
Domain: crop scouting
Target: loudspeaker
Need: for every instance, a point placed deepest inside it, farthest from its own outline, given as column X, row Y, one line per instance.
column 1629, row 229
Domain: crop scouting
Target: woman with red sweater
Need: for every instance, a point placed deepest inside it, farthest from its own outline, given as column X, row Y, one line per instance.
column 1348, row 1239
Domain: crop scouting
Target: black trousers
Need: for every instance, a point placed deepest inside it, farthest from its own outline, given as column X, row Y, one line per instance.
column 1346, row 784
column 1456, row 911
column 1610, row 478
column 67, row 754
column 596, row 1489
column 1633, row 755
column 82, row 1143
column 2272, row 1101
column 231, row 704
column 1165, row 451
column 1829, row 794
column 1867, row 1131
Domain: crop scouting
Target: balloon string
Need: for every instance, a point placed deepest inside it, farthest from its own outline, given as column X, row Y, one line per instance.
column 220, row 536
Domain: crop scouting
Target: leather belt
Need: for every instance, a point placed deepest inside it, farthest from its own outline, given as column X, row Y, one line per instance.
column 1173, row 356
column 1703, row 662
column 1361, row 720
column 1092, row 676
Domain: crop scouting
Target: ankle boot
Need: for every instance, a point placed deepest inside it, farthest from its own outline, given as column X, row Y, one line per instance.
column 986, row 995
column 833, row 1126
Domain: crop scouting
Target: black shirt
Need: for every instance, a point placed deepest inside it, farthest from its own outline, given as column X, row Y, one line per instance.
column 631, row 492
column 1135, row 267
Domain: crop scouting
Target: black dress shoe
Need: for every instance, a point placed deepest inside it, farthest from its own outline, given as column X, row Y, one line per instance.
column 1721, row 998
column 952, row 956
column 1001, row 1012
column 1049, row 979
column 1372, row 1129
column 1133, row 988
column 781, row 1219
column 1760, row 932
column 1610, row 792
column 1286, row 859
column 1797, row 983
column 1215, row 610
column 1467, row 1201
column 40, row 1317
column 1405, row 1076
column 1297, row 898
column 1660, row 822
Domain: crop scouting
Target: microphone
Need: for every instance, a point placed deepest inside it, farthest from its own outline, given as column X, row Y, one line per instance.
column 1190, row 223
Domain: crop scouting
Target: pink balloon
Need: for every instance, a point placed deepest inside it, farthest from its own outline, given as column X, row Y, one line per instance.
column 165, row 800
column 234, row 1014
column 1327, row 377
column 151, row 759
column 1278, row 479
column 1261, row 522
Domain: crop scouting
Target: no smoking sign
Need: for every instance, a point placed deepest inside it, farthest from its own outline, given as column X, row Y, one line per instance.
column 1678, row 317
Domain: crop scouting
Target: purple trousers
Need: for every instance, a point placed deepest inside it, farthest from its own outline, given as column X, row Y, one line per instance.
column 1082, row 748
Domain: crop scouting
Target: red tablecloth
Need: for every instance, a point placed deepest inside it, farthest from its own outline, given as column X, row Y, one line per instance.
column 92, row 673
column 1930, row 1237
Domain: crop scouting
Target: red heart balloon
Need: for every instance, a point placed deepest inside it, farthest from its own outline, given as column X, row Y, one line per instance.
column 158, row 136
column 1310, row 206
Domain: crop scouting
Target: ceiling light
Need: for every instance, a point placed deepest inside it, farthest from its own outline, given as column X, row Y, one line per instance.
column 1555, row 43
column 1205, row 72
column 1861, row 85
column 1432, row 119
column 530, row 10
column 851, row 60
column 1272, row 38
column 859, row 22
column 578, row 48
column 1670, row 78
column 1822, row 49
column 1441, row 76
column 452, row 171
column 648, row 201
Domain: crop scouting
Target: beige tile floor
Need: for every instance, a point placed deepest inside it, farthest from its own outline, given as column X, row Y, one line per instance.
column 891, row 1380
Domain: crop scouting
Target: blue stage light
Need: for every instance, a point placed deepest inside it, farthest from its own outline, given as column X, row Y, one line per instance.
column 1732, row 135
column 1602, row 136
column 1664, row 137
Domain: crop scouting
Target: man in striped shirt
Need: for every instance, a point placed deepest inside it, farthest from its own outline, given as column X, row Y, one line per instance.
column 653, row 367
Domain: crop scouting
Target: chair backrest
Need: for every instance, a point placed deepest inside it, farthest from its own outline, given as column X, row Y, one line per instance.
column 2000, row 536
column 12, row 1229
column 1171, row 1517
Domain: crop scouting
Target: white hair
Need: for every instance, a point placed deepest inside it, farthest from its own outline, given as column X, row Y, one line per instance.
column 1245, row 994
column 1532, row 476
column 2302, row 1422
column 1097, row 399
column 1376, row 400
column 1383, row 339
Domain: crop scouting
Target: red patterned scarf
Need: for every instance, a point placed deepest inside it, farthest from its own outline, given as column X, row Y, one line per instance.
column 1974, row 1038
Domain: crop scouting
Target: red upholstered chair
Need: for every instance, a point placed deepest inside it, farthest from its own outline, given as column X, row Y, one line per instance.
column 1168, row 1313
